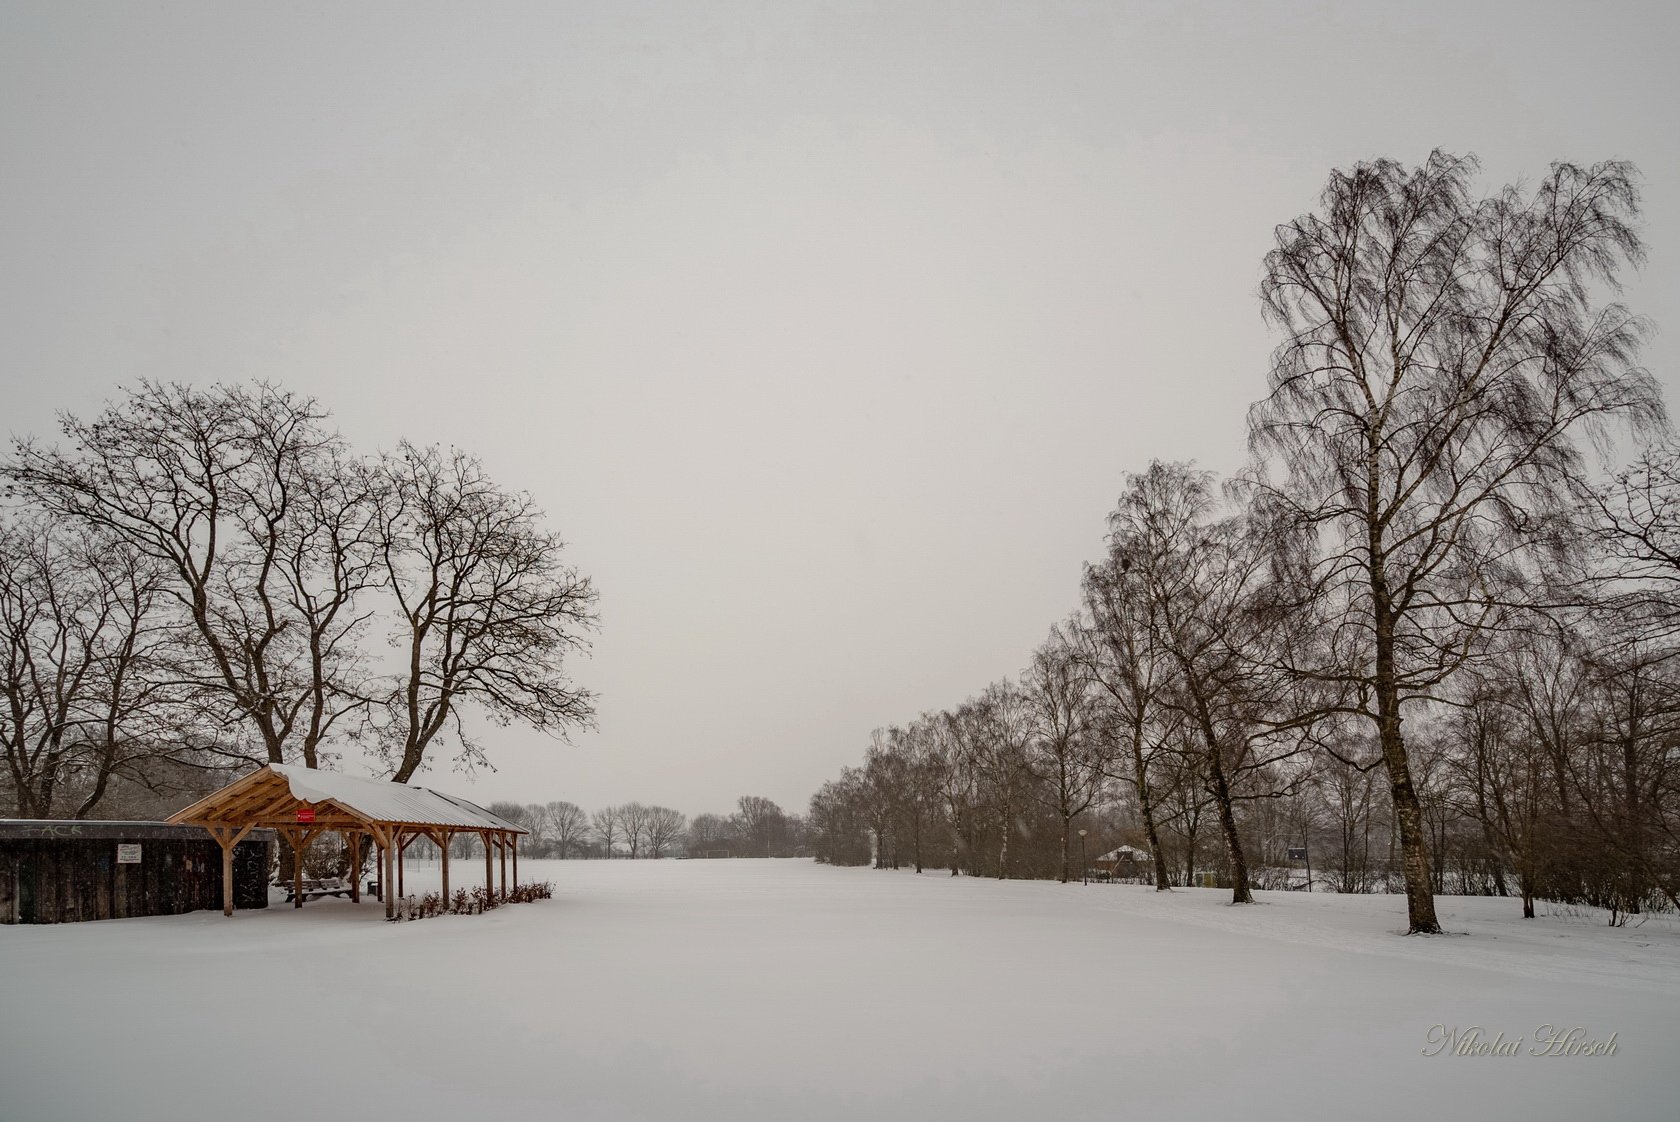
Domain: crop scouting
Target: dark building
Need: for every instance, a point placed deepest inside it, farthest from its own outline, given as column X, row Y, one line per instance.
column 63, row 872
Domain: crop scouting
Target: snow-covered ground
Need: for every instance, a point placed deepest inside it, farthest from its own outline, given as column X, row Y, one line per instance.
column 784, row 990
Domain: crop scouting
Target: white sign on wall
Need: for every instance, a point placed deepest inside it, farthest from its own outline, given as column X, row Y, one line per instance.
column 128, row 853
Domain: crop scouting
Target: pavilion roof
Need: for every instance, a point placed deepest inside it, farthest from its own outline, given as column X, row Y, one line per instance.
column 1123, row 852
column 272, row 796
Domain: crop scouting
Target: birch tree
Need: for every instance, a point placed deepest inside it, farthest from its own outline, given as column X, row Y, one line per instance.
column 1119, row 652
column 1443, row 355
column 1068, row 749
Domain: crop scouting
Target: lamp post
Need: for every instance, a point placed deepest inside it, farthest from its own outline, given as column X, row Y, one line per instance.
column 1084, row 865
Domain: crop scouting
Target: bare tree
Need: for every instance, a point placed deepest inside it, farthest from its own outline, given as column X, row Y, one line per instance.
column 1348, row 795
column 1220, row 626
column 90, row 689
column 1442, row 352
column 1119, row 653
column 517, row 813
column 1635, row 523
column 632, row 826
column 246, row 502
column 604, row 823
column 996, row 734
column 1184, row 801
column 488, row 610
column 878, row 789
column 711, row 835
column 566, row 824
column 839, row 836
column 958, row 786
column 1624, row 776
column 1069, row 752
column 760, row 823
column 664, row 829
column 923, row 770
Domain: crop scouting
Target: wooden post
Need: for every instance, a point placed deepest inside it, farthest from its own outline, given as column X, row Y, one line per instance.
column 227, row 838
column 501, row 851
column 515, row 860
column 353, row 856
column 300, row 843
column 401, row 845
column 288, row 836
column 489, row 867
column 227, row 875
column 382, row 840
column 385, row 877
column 445, row 848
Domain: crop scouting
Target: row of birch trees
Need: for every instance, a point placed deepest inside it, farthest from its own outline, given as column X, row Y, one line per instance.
column 1426, row 634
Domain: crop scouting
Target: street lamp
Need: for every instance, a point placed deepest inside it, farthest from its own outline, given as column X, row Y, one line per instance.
column 1084, row 865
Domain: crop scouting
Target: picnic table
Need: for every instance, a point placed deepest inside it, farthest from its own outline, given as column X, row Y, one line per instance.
column 329, row 886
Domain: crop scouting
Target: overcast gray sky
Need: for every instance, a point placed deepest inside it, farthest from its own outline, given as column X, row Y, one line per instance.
column 825, row 333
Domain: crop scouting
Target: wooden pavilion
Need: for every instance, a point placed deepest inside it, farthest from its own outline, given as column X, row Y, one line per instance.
column 301, row 803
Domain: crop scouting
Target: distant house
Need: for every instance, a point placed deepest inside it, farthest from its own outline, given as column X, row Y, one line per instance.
column 1123, row 863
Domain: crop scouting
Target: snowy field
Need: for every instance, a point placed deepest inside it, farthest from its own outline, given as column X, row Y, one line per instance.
column 786, row 990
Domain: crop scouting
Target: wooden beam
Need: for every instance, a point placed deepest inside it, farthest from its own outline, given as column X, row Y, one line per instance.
column 445, row 847
column 501, row 851
column 206, row 809
column 516, row 860
column 235, row 803
column 489, row 871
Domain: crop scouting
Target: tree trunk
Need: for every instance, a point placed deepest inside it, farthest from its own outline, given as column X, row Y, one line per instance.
column 1003, row 845
column 1635, row 865
column 1146, row 808
column 1408, row 811
column 46, row 786
column 1065, row 821
column 1240, row 893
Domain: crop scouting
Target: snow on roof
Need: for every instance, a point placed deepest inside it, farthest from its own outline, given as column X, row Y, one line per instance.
column 1124, row 852
column 385, row 801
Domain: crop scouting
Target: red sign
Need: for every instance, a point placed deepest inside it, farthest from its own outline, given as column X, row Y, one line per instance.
column 306, row 814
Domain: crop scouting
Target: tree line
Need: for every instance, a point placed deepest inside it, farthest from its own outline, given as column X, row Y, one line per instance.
column 757, row 827
column 197, row 579
column 1418, row 636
